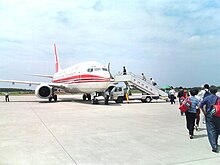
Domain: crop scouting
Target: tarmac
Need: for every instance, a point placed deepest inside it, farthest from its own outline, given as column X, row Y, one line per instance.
column 75, row 132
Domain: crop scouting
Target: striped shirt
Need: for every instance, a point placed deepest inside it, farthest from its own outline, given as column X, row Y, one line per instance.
column 195, row 102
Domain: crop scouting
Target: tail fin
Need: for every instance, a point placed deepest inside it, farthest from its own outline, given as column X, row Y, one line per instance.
column 57, row 64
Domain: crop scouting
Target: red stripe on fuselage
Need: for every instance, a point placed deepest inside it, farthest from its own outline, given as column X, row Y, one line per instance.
column 82, row 79
column 78, row 82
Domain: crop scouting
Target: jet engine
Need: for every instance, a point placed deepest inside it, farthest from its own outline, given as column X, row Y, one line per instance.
column 44, row 91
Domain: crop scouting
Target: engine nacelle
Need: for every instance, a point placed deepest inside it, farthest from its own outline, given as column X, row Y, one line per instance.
column 43, row 91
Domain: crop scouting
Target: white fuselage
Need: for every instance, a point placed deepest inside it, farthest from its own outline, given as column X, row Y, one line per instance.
column 84, row 77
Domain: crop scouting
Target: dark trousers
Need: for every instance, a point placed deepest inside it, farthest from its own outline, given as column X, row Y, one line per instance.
column 190, row 122
column 106, row 99
column 7, row 98
column 172, row 99
column 213, row 130
column 197, row 116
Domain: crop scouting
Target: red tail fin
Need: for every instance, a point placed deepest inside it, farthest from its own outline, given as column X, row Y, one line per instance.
column 57, row 64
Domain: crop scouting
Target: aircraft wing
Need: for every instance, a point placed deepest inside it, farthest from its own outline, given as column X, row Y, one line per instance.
column 56, row 85
column 21, row 82
column 40, row 75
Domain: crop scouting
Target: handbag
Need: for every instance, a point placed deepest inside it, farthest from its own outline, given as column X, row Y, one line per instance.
column 186, row 105
column 215, row 111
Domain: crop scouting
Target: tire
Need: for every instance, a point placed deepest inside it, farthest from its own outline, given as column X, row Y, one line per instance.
column 89, row 96
column 143, row 100
column 50, row 99
column 95, row 101
column 84, row 97
column 148, row 99
column 119, row 100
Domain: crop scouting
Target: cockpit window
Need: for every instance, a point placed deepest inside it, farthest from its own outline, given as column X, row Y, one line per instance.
column 97, row 69
column 90, row 70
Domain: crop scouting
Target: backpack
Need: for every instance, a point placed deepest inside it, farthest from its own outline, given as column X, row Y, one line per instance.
column 215, row 110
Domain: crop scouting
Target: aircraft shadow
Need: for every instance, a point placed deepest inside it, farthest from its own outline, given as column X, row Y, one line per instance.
column 21, row 101
column 61, row 100
column 89, row 102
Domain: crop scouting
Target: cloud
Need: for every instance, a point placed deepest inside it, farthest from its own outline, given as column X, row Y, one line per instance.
column 98, row 6
column 152, row 36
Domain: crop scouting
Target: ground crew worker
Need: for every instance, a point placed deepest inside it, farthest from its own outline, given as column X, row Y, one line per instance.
column 107, row 97
column 6, row 97
column 124, row 71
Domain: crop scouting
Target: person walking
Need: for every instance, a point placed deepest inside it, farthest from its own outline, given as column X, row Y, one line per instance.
column 212, row 122
column 197, row 114
column 107, row 93
column 207, row 92
column 191, row 113
column 202, row 94
column 6, row 97
column 204, row 91
column 180, row 95
column 172, row 95
column 153, row 82
column 143, row 77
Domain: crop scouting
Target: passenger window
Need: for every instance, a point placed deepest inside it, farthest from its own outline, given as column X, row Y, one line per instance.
column 104, row 69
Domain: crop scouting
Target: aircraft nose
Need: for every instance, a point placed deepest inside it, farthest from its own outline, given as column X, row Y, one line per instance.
column 108, row 74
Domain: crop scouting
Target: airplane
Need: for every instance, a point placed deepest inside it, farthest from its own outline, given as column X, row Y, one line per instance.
column 87, row 77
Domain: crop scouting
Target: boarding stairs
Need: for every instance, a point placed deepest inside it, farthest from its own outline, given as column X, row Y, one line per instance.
column 144, row 86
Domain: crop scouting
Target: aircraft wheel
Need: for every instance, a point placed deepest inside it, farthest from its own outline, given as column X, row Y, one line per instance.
column 84, row 97
column 89, row 96
column 143, row 100
column 119, row 100
column 50, row 99
column 95, row 101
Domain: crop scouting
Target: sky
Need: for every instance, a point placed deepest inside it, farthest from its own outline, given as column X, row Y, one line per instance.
column 175, row 42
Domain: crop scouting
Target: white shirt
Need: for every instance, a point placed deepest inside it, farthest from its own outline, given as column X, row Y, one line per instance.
column 172, row 92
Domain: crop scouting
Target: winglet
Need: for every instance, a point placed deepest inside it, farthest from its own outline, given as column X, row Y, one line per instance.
column 57, row 64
